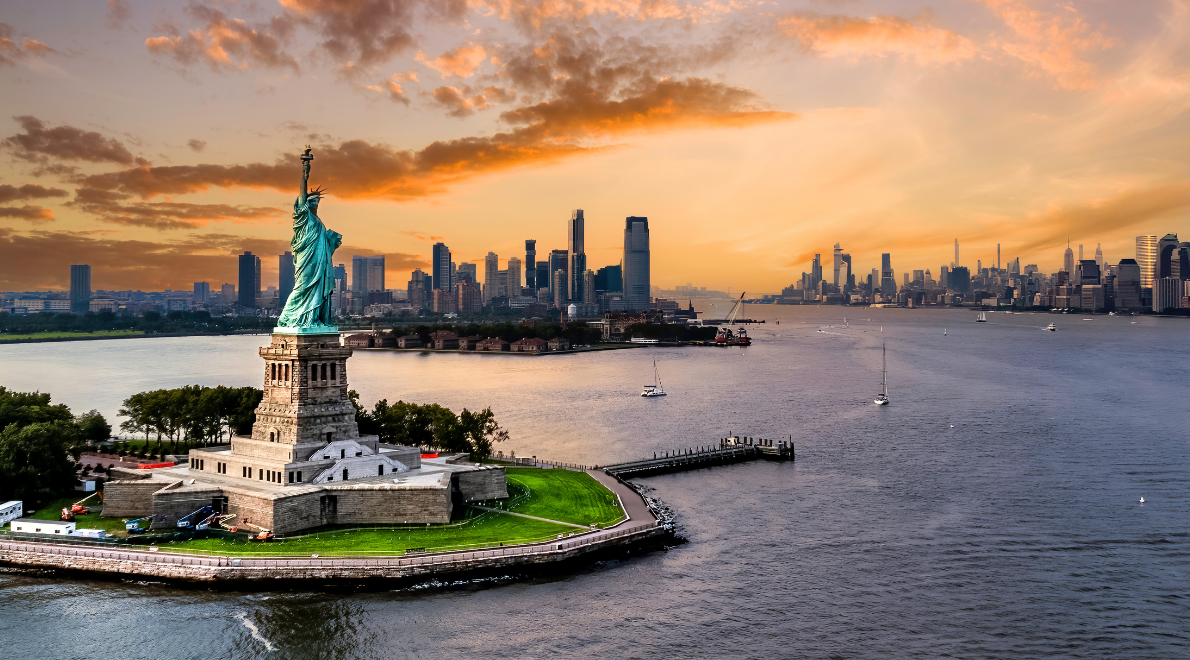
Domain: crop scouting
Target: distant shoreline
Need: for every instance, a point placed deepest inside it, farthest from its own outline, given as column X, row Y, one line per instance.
column 130, row 335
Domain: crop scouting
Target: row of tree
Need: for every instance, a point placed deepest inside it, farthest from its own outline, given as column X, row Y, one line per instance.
column 430, row 425
column 150, row 322
column 40, row 444
column 191, row 415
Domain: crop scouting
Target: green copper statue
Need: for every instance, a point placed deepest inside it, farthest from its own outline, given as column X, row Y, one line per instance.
column 309, row 308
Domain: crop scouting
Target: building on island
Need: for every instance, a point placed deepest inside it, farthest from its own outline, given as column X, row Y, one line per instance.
column 306, row 464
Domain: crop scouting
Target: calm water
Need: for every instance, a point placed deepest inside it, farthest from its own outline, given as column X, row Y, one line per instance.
column 990, row 512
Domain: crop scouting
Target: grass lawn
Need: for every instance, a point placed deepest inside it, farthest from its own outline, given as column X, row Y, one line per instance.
column 52, row 511
column 72, row 335
column 484, row 532
column 565, row 495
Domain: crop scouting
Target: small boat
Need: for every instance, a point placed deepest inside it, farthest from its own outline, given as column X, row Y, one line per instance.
column 982, row 318
column 1051, row 327
column 882, row 398
column 943, row 332
column 656, row 389
column 1142, row 500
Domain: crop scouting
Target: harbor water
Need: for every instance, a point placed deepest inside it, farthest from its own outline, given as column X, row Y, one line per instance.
column 991, row 511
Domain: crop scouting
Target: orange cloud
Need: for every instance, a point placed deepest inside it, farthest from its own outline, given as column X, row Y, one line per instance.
column 1051, row 43
column 460, row 62
column 535, row 13
column 27, row 212
column 847, row 36
column 108, row 206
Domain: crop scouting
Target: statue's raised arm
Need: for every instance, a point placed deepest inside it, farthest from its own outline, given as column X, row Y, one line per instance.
column 306, row 158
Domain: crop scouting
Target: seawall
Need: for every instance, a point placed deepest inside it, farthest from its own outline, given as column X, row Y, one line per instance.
column 172, row 566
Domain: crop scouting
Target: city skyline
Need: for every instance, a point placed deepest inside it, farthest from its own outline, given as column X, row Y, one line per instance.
column 1022, row 121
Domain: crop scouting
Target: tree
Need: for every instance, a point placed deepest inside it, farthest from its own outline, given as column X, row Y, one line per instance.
column 481, row 432
column 24, row 408
column 93, row 427
column 35, row 461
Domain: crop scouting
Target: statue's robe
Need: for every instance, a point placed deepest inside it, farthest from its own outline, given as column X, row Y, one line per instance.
column 309, row 304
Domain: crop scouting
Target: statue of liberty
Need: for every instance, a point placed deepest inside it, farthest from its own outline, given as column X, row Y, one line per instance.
column 308, row 310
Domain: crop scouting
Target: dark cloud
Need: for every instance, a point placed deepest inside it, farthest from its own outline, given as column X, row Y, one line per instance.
column 197, row 145
column 466, row 100
column 364, row 33
column 36, row 142
column 223, row 43
column 10, row 193
column 118, row 12
column 27, row 212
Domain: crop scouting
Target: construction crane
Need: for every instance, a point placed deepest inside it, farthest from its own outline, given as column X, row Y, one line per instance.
column 736, row 309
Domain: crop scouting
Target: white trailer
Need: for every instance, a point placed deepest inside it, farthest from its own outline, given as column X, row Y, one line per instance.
column 11, row 511
column 47, row 527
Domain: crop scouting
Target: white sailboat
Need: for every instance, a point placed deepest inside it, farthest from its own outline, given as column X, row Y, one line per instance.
column 882, row 398
column 982, row 318
column 656, row 389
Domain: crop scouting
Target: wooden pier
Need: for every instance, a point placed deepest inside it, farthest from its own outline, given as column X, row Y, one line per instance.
column 730, row 450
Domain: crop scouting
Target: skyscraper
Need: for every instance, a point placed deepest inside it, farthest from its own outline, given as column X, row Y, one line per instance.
column 837, row 263
column 956, row 253
column 376, row 273
column 227, row 294
column 848, row 280
column 609, row 278
column 559, row 262
column 1146, row 258
column 514, row 277
column 284, row 277
column 589, row 287
column 1127, row 287
column 1068, row 259
column 80, row 288
column 249, row 288
column 465, row 272
column 1080, row 251
column 202, row 293
column 577, row 255
column 542, row 278
column 637, row 286
column 816, row 272
column 442, row 268
column 997, row 256
column 1099, row 255
column 1167, row 249
column 531, row 264
column 888, row 285
column 491, row 266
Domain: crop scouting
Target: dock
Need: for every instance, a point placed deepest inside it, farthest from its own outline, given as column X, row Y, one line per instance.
column 731, row 449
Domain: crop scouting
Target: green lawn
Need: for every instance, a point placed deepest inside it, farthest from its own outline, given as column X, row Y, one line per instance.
column 72, row 335
column 562, row 495
column 487, row 531
column 565, row 495
column 52, row 511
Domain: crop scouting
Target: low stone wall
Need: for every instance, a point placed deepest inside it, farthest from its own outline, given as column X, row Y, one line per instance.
column 129, row 498
column 195, row 568
column 176, row 500
column 485, row 484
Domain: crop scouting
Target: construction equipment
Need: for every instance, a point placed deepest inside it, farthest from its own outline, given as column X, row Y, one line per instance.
column 261, row 533
column 78, row 507
column 191, row 521
column 208, row 521
column 738, row 337
column 139, row 525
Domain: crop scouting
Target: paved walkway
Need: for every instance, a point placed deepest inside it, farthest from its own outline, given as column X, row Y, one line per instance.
column 525, row 515
column 634, row 505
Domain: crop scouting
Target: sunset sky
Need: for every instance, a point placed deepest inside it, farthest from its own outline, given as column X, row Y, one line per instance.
column 155, row 140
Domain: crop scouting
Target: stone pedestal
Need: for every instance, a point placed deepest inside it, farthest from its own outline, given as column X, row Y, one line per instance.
column 305, row 404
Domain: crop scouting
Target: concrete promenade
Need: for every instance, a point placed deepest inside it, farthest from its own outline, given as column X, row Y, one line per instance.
column 641, row 525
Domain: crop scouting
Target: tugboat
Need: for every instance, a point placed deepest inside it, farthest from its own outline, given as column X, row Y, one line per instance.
column 726, row 337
